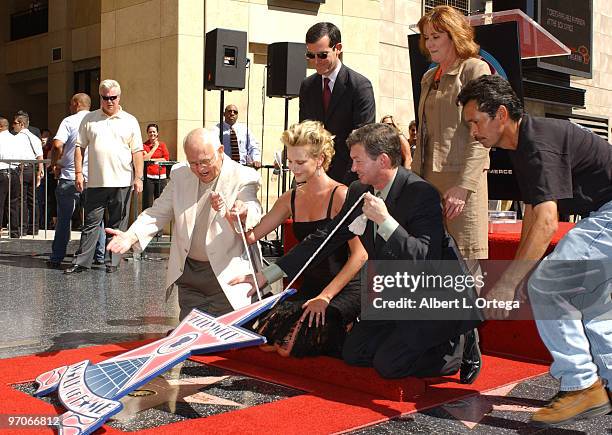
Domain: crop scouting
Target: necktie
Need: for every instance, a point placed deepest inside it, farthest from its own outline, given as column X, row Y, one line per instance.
column 377, row 195
column 234, row 144
column 326, row 94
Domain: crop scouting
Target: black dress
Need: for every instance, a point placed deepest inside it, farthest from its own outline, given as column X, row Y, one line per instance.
column 341, row 312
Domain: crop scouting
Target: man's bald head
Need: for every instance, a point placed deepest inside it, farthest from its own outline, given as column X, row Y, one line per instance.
column 80, row 102
column 4, row 124
column 204, row 153
column 231, row 114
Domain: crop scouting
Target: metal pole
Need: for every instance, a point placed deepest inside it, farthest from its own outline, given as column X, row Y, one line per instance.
column 221, row 108
column 34, row 187
column 21, row 200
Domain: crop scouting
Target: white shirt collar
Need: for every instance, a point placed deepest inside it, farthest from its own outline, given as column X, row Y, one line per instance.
column 332, row 76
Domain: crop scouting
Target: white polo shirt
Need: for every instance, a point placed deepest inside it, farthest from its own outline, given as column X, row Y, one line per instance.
column 7, row 148
column 27, row 146
column 110, row 141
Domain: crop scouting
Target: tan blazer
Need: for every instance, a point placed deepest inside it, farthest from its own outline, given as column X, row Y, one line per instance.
column 457, row 150
column 224, row 246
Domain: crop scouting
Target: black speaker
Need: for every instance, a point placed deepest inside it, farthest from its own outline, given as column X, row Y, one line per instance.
column 286, row 69
column 225, row 59
column 527, row 6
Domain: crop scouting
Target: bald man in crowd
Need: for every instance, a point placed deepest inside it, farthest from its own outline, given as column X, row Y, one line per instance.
column 206, row 249
column 238, row 141
column 62, row 165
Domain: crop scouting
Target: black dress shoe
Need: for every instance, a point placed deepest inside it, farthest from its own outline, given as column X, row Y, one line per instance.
column 77, row 268
column 53, row 264
column 111, row 269
column 472, row 358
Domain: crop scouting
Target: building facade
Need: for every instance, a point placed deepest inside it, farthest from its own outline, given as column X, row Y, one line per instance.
column 155, row 49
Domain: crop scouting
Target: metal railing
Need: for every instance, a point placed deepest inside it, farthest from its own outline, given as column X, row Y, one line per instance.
column 16, row 174
column 272, row 189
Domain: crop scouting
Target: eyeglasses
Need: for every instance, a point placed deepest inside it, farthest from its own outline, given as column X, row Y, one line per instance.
column 321, row 54
column 204, row 162
column 232, row 111
column 109, row 98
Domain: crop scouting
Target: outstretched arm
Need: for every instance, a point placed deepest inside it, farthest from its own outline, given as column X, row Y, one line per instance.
column 121, row 241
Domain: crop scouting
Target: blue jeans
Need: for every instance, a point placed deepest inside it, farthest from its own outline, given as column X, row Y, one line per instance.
column 67, row 196
column 570, row 292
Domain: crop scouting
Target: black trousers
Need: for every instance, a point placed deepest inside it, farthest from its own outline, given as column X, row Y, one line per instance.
column 24, row 201
column 9, row 181
column 114, row 200
column 404, row 348
column 151, row 190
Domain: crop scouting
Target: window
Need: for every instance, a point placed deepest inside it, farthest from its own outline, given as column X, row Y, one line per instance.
column 88, row 81
column 33, row 21
column 462, row 5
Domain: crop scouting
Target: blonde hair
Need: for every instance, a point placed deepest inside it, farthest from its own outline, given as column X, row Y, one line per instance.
column 392, row 123
column 109, row 84
column 311, row 134
column 446, row 19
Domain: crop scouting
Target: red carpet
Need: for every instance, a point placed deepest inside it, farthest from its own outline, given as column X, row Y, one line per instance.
column 337, row 397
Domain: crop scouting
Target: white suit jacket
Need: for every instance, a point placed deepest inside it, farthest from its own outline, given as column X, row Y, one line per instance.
column 224, row 246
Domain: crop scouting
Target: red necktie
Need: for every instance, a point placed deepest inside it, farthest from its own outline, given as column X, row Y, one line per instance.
column 234, row 144
column 326, row 94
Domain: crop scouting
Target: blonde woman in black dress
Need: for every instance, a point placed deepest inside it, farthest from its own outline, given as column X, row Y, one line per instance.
column 315, row 320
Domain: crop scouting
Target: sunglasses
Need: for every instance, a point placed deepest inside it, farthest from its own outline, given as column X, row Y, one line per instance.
column 109, row 98
column 321, row 55
column 232, row 111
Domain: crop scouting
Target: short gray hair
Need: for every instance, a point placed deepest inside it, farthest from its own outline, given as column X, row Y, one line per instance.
column 109, row 84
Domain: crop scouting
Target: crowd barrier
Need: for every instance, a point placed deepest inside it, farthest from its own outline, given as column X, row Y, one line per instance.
column 275, row 181
column 17, row 184
column 33, row 206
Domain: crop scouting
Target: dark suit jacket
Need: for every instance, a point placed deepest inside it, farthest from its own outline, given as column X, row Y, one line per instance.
column 352, row 106
column 415, row 205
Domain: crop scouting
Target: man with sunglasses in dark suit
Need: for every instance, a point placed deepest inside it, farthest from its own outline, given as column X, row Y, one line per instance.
column 339, row 97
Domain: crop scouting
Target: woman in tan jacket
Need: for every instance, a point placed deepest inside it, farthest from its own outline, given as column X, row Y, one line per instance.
column 446, row 155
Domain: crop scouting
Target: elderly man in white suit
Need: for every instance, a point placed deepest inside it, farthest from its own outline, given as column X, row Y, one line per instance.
column 206, row 250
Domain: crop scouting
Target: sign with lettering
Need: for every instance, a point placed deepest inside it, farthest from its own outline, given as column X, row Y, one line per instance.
column 91, row 392
column 571, row 22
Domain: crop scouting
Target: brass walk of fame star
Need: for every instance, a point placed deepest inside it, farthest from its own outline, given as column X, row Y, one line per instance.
column 472, row 410
column 161, row 391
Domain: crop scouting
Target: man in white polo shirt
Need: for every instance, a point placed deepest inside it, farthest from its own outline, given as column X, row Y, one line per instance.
column 27, row 147
column 66, row 195
column 115, row 160
column 6, row 153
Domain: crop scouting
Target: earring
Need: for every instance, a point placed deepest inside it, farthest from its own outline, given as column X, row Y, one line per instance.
column 318, row 171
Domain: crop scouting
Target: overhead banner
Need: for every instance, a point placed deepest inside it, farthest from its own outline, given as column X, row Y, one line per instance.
column 571, row 22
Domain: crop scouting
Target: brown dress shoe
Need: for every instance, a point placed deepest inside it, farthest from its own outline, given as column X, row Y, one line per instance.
column 568, row 406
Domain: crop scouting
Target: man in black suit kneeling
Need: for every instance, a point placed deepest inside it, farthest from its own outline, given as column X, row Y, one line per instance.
column 408, row 217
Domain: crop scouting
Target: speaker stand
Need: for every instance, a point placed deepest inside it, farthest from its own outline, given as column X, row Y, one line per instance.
column 221, row 117
column 284, row 163
column 286, row 124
